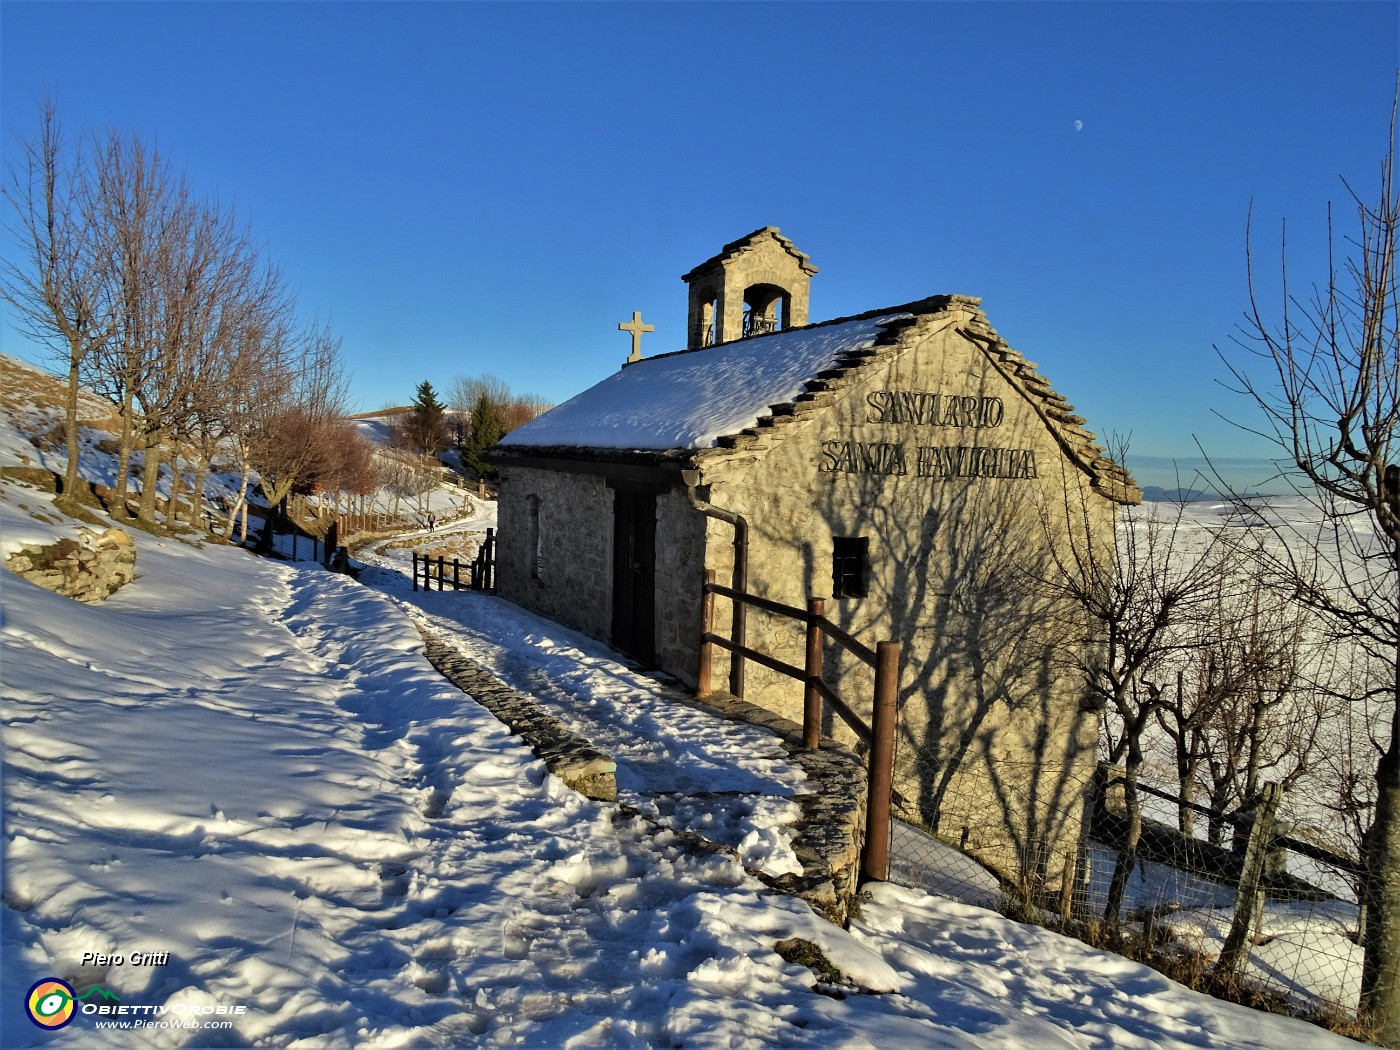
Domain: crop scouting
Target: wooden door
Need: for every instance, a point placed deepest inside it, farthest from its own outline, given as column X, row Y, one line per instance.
column 634, row 574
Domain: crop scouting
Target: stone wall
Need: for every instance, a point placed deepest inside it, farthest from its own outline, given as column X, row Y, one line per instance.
column 88, row 568
column 996, row 748
column 559, row 565
column 680, row 573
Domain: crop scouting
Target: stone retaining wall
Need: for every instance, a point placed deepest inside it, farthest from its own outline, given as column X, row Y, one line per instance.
column 87, row 569
column 830, row 835
column 569, row 757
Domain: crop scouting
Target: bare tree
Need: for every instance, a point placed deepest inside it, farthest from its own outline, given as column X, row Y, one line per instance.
column 207, row 263
column 1246, row 703
column 1326, row 379
column 57, row 281
column 397, row 474
column 253, row 402
column 292, row 435
column 350, row 471
column 1343, row 786
column 1142, row 595
column 521, row 409
column 464, row 391
column 240, row 357
column 147, row 215
column 162, row 303
column 487, row 400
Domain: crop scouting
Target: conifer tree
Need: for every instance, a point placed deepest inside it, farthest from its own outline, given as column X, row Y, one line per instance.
column 485, row 431
column 425, row 426
column 425, row 402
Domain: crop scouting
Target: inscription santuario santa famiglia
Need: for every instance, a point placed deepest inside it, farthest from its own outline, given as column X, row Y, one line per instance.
column 921, row 408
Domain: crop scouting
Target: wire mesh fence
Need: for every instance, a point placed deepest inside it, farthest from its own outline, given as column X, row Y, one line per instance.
column 1232, row 899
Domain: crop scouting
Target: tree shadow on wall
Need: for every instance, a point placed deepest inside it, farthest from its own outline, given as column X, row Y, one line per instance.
column 990, row 724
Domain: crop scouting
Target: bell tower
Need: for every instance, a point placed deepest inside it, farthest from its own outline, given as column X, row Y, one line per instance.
column 757, row 284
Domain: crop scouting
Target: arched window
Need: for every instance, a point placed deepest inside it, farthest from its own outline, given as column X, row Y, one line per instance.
column 766, row 309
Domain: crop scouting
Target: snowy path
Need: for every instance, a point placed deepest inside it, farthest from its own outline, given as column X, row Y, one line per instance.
column 676, row 762
column 251, row 767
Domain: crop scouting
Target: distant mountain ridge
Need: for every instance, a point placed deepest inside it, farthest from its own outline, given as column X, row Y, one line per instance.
column 1158, row 494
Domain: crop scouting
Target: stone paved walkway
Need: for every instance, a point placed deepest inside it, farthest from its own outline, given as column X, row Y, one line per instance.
column 826, row 837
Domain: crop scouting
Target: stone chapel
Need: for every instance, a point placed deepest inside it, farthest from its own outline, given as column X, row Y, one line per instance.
column 904, row 463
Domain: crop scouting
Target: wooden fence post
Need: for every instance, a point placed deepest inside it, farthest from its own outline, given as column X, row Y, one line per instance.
column 811, row 699
column 440, row 573
column 875, row 858
column 456, row 574
column 1249, row 898
column 704, row 681
column 415, row 570
column 738, row 630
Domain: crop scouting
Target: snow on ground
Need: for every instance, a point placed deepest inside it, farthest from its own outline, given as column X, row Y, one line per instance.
column 1302, row 948
column 250, row 766
column 728, row 781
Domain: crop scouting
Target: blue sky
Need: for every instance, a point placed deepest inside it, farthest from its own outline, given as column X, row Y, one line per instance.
column 462, row 188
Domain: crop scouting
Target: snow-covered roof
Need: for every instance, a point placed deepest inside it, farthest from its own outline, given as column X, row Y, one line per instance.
column 689, row 399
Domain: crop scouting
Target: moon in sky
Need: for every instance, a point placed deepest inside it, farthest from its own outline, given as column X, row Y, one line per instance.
column 1079, row 125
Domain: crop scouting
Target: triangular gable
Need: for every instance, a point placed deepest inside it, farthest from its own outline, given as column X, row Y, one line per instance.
column 745, row 243
column 1078, row 444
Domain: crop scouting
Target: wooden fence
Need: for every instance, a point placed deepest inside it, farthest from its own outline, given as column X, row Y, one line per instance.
column 878, row 736
column 480, row 571
column 287, row 537
column 375, row 521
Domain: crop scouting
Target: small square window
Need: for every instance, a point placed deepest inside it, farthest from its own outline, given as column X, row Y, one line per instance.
column 850, row 561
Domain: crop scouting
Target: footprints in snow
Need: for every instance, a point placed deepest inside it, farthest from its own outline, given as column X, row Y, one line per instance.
column 436, row 803
column 394, row 881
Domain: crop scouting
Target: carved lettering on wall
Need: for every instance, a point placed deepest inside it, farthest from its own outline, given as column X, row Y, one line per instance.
column 929, row 461
column 972, row 461
column 857, row 457
column 923, row 408
column 933, row 409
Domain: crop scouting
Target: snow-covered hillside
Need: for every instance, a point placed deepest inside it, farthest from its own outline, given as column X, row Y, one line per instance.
column 242, row 779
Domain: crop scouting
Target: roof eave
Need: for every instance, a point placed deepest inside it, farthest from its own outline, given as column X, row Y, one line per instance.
column 645, row 465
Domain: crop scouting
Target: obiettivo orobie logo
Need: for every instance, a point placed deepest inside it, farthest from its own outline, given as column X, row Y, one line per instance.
column 50, row 1003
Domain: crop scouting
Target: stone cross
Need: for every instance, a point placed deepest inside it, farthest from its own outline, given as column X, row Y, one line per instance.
column 636, row 328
